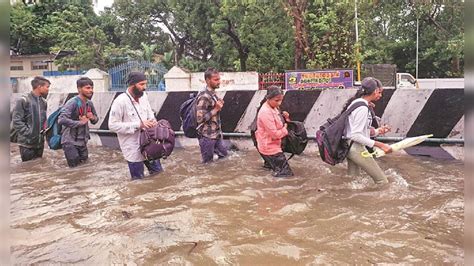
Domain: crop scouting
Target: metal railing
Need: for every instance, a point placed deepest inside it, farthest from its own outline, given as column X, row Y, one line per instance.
column 247, row 135
column 153, row 71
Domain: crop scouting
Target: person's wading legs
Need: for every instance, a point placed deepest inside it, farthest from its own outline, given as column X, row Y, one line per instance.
column 352, row 168
column 369, row 165
column 136, row 170
column 266, row 162
column 154, row 166
column 279, row 164
column 220, row 149
column 75, row 155
column 83, row 153
column 207, row 146
column 28, row 154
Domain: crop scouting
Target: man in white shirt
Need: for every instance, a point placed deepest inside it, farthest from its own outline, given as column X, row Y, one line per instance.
column 131, row 112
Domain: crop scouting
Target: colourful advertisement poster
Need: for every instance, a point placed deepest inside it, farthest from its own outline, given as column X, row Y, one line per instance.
column 319, row 79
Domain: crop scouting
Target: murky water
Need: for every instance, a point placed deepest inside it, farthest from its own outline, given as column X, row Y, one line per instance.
column 234, row 212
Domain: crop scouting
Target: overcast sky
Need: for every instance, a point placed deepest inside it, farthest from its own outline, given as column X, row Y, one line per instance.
column 100, row 4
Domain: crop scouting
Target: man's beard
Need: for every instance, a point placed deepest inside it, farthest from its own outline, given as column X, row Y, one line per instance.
column 137, row 92
column 88, row 97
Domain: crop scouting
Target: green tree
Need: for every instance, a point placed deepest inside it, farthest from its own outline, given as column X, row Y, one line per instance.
column 73, row 31
column 388, row 34
column 256, row 34
column 50, row 26
column 246, row 35
column 172, row 25
column 25, row 31
column 332, row 36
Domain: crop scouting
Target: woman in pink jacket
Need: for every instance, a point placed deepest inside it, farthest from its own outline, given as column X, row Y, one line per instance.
column 271, row 129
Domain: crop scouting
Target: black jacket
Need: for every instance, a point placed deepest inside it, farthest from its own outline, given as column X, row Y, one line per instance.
column 29, row 120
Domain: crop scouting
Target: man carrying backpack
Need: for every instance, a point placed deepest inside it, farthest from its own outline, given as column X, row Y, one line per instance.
column 208, row 107
column 129, row 113
column 75, row 116
column 29, row 119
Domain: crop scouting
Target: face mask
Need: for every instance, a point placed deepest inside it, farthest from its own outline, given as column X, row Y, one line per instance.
column 137, row 92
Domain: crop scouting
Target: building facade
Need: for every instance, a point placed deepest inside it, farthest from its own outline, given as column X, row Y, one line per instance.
column 22, row 66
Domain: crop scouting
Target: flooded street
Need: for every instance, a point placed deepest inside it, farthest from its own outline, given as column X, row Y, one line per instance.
column 234, row 212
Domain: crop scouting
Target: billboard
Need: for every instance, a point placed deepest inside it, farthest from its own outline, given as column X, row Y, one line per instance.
column 319, row 79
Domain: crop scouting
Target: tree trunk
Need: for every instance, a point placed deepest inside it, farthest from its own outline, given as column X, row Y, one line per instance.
column 241, row 48
column 179, row 51
column 455, row 66
column 243, row 61
column 298, row 44
column 296, row 9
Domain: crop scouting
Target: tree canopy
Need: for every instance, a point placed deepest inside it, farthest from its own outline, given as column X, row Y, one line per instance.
column 246, row 35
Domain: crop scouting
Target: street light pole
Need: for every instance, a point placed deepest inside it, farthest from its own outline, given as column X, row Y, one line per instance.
column 357, row 42
column 417, row 31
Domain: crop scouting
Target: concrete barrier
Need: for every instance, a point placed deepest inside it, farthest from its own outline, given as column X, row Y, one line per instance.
column 66, row 84
column 410, row 112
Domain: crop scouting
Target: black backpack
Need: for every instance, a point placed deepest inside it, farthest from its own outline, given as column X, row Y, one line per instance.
column 253, row 126
column 332, row 148
column 187, row 113
column 296, row 140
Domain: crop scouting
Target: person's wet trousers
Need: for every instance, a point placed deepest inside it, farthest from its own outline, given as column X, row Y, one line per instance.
column 137, row 169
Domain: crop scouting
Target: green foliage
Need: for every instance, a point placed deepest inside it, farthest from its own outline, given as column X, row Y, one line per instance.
column 389, row 36
column 331, row 35
column 257, row 33
column 246, row 35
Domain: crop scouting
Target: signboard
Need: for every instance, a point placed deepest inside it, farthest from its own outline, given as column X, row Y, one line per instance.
column 319, row 79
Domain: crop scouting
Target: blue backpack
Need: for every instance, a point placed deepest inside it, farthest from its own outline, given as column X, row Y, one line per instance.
column 53, row 132
column 54, row 129
column 187, row 113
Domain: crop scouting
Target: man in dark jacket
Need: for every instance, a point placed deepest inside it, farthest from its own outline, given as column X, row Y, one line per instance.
column 29, row 119
column 75, row 117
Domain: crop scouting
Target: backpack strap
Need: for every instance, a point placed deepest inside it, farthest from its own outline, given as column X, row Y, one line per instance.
column 134, row 107
column 350, row 110
column 355, row 106
column 78, row 101
column 213, row 97
column 195, row 103
column 79, row 104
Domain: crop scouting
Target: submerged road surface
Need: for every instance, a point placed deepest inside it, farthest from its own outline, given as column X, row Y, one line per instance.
column 234, row 212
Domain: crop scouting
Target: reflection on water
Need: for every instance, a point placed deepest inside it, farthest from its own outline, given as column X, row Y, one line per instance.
column 234, row 212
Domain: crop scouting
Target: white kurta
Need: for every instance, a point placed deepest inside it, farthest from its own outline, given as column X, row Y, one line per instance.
column 124, row 121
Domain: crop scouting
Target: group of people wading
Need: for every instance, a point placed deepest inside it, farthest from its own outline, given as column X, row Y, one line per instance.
column 131, row 113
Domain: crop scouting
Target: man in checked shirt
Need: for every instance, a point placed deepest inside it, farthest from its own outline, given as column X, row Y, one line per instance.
column 208, row 109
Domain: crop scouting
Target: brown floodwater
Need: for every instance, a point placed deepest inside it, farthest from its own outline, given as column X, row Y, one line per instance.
column 234, row 212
